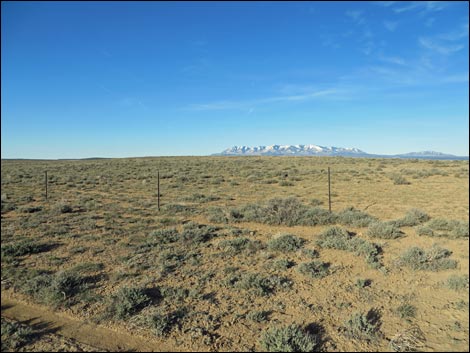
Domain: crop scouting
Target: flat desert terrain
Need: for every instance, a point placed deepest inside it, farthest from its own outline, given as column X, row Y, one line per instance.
column 242, row 254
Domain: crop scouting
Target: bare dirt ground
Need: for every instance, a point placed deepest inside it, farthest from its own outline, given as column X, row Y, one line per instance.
column 58, row 332
column 98, row 267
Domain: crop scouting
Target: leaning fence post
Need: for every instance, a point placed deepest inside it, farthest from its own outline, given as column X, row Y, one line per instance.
column 329, row 190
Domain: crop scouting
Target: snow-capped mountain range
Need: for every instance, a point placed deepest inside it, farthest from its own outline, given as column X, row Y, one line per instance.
column 315, row 150
column 290, row 150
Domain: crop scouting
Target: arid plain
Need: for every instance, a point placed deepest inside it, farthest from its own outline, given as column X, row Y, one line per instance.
column 243, row 254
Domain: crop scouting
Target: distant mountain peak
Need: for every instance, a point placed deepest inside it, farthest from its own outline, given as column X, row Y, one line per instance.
column 426, row 153
column 316, row 150
column 302, row 150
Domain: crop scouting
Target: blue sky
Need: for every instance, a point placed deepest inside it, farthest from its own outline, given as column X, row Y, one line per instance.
column 119, row 79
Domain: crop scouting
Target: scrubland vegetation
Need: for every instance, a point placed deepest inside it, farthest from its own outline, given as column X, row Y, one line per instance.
column 243, row 254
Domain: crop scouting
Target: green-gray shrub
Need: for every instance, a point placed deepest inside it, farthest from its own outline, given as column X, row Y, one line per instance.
column 434, row 259
column 22, row 248
column 258, row 316
column 237, row 245
column 457, row 282
column 56, row 289
column 30, row 209
column 424, row 230
column 353, row 217
column 283, row 264
column 165, row 236
column 259, row 284
column 217, row 215
column 442, row 224
column 340, row 239
column 314, row 216
column 288, row 211
column 286, row 242
column 173, row 208
column 384, row 230
column 198, row 233
column 15, row 335
column 163, row 323
column 444, row 228
column 405, row 311
column 413, row 217
column 314, row 269
column 128, row 301
column 335, row 238
column 461, row 230
column 362, row 326
column 311, row 253
column 290, row 338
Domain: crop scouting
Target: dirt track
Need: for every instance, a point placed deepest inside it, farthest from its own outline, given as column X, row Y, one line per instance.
column 83, row 333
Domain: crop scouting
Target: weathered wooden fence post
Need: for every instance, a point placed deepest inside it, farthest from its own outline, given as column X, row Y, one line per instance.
column 45, row 182
column 329, row 190
column 158, row 189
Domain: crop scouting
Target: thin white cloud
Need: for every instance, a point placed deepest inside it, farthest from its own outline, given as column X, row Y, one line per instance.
column 250, row 104
column 390, row 25
column 439, row 47
column 411, row 6
column 436, row 5
column 456, row 35
column 423, row 6
column 301, row 97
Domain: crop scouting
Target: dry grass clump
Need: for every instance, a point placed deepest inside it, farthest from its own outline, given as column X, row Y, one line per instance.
column 405, row 311
column 409, row 340
column 399, row 180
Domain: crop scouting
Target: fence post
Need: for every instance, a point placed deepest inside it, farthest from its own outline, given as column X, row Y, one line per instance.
column 329, row 190
column 158, row 189
column 45, row 182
